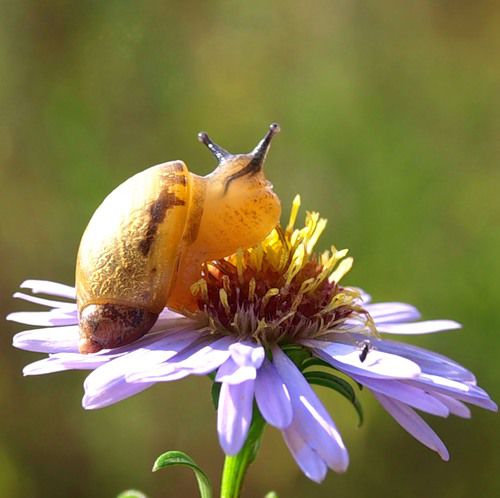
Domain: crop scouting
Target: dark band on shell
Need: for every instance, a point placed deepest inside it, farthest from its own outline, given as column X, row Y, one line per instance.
column 104, row 326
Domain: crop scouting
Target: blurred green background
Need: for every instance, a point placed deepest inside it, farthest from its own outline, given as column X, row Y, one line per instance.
column 390, row 115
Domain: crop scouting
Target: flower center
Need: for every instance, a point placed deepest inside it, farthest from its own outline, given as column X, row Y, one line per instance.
column 280, row 291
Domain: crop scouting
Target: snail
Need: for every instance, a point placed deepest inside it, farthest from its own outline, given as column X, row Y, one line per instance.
column 146, row 243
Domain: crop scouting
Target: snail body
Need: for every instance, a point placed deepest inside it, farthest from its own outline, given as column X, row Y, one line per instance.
column 146, row 243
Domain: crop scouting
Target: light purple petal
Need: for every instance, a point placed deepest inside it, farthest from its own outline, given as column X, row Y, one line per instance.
column 158, row 375
column 430, row 362
column 208, row 358
column 169, row 314
column 45, row 318
column 46, row 302
column 346, row 357
column 48, row 340
column 410, row 395
column 119, row 391
column 65, row 361
column 234, row 415
column 170, row 322
column 247, row 354
column 199, row 359
column 458, row 390
column 45, row 366
column 50, row 288
column 312, row 420
column 392, row 312
column 427, row 327
column 245, row 358
column 108, row 384
column 152, row 350
column 307, row 459
column 272, row 396
column 231, row 373
column 456, row 407
column 414, row 424
column 75, row 361
column 155, row 350
column 168, row 370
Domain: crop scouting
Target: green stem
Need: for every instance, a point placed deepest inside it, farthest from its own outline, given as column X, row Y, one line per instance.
column 235, row 467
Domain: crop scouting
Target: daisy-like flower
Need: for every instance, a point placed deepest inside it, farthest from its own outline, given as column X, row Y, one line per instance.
column 273, row 320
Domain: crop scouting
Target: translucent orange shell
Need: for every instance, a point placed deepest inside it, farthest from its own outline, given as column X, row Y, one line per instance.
column 129, row 250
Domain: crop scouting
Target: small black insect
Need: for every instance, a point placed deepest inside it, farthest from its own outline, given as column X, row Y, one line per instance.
column 364, row 352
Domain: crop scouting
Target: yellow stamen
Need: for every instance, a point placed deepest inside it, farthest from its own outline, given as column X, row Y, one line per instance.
column 223, row 300
column 296, row 264
column 256, row 257
column 239, row 264
column 297, row 301
column 268, row 295
column 341, row 270
column 226, row 283
column 308, row 285
column 316, row 234
column 328, row 266
column 293, row 214
column 251, row 289
column 340, row 299
column 200, row 287
column 325, row 256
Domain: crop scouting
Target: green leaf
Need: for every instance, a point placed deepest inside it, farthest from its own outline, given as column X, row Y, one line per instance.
column 216, row 393
column 316, row 362
column 131, row 493
column 171, row 458
column 343, row 387
column 296, row 353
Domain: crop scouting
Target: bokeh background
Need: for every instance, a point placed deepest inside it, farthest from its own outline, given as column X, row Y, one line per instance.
column 390, row 115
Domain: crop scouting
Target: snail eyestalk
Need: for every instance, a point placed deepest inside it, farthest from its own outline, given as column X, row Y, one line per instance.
column 260, row 151
column 257, row 157
column 219, row 153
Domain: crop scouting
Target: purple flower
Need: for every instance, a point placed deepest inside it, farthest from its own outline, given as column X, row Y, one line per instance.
column 402, row 377
column 262, row 325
